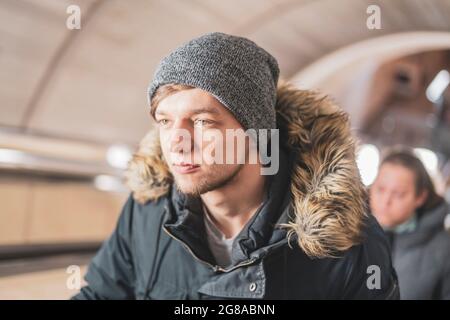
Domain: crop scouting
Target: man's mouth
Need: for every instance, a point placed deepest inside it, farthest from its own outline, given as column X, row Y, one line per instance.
column 185, row 168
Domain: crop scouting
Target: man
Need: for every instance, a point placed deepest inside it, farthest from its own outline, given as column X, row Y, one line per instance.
column 290, row 225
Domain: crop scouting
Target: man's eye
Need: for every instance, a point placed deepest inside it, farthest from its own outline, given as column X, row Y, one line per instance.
column 202, row 122
column 163, row 122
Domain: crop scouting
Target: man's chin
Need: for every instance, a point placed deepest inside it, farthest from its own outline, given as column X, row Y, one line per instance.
column 187, row 186
column 197, row 184
column 193, row 187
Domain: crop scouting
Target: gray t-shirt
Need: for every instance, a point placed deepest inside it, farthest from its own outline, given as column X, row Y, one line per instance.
column 220, row 245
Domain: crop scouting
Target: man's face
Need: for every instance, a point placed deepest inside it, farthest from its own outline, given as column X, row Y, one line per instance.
column 185, row 118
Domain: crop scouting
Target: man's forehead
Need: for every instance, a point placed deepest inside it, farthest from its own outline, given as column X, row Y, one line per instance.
column 193, row 101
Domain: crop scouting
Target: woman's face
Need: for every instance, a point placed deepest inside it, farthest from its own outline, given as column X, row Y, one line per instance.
column 393, row 198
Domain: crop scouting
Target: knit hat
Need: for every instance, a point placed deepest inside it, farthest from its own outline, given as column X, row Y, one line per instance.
column 235, row 70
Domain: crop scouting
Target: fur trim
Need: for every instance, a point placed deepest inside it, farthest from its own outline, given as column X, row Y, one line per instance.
column 148, row 175
column 329, row 199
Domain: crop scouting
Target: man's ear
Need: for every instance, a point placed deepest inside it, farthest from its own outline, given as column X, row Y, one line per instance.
column 420, row 200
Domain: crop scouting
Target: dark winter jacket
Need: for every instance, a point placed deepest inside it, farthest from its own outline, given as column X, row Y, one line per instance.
column 422, row 257
column 311, row 239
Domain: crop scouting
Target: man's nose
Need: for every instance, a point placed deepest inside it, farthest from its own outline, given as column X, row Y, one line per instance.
column 181, row 138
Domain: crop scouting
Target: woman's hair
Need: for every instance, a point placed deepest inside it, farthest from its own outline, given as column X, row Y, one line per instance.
column 406, row 158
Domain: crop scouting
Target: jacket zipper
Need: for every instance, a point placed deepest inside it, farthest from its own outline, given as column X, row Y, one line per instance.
column 394, row 287
column 214, row 267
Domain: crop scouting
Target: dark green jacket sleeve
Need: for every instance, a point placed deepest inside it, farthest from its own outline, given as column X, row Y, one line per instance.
column 445, row 285
column 111, row 274
column 370, row 274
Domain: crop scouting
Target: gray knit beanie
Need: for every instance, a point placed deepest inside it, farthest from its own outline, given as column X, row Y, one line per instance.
column 236, row 71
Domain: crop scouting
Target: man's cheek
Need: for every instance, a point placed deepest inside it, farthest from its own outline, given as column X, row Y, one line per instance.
column 164, row 141
column 166, row 152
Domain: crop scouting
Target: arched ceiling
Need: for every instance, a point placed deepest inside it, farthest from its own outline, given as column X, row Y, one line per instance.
column 90, row 84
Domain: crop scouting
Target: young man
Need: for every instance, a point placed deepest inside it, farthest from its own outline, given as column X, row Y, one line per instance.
column 290, row 225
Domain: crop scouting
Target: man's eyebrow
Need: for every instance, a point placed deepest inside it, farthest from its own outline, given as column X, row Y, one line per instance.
column 160, row 112
column 199, row 110
column 205, row 110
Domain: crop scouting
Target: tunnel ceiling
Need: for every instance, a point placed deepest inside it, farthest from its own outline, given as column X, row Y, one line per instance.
column 90, row 84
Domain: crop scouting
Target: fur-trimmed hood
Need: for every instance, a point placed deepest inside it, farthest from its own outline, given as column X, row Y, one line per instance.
column 328, row 197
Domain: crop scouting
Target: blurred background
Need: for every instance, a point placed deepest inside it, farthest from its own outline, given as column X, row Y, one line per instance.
column 73, row 103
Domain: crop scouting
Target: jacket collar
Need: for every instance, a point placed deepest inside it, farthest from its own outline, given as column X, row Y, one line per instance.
column 428, row 225
column 327, row 197
column 258, row 237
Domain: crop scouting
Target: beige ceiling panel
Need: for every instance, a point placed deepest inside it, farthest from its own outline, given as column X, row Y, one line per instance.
column 30, row 35
column 99, row 90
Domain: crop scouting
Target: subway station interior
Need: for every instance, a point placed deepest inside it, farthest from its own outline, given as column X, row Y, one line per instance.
column 73, row 105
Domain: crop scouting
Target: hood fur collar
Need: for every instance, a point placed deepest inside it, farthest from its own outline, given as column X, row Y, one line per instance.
column 328, row 197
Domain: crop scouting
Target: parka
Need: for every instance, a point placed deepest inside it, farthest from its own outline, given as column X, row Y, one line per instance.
column 312, row 238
